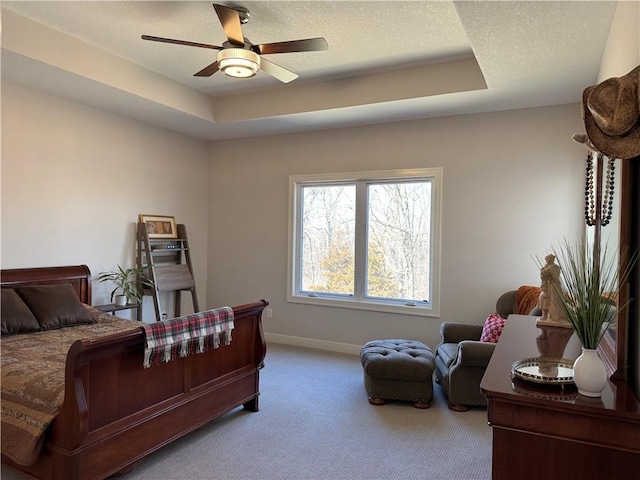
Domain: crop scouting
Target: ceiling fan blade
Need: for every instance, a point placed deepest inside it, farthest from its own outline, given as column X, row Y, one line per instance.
column 230, row 20
column 276, row 71
column 180, row 42
column 306, row 45
column 208, row 70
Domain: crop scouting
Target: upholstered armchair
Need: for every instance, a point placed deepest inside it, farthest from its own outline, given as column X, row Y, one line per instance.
column 461, row 358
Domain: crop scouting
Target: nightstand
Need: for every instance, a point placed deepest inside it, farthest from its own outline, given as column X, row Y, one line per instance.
column 112, row 308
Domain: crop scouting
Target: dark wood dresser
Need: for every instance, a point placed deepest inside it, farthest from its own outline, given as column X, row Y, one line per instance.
column 550, row 431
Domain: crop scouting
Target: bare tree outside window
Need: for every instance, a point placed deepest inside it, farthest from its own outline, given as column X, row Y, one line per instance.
column 328, row 223
column 367, row 240
column 399, row 230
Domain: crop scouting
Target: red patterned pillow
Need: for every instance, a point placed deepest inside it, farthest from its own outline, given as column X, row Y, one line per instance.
column 492, row 328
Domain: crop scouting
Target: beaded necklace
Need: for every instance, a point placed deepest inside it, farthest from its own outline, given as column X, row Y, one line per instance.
column 589, row 196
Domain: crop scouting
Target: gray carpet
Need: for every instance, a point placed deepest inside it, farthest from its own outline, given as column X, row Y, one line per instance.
column 315, row 423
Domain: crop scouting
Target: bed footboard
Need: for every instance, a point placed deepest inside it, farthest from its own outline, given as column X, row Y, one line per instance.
column 115, row 412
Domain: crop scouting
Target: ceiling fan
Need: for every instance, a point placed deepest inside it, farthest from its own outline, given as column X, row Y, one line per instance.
column 238, row 57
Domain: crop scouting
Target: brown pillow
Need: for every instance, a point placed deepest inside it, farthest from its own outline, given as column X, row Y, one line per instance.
column 55, row 306
column 16, row 316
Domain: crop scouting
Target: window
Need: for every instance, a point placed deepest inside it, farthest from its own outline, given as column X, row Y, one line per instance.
column 366, row 240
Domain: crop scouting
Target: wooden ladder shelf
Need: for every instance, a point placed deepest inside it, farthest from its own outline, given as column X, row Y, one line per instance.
column 167, row 261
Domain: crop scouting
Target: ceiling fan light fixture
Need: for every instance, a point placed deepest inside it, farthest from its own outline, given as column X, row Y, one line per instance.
column 238, row 62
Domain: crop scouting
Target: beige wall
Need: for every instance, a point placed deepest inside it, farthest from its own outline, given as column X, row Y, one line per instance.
column 622, row 51
column 74, row 180
column 513, row 186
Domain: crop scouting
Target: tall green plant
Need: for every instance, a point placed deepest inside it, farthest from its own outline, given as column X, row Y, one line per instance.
column 591, row 285
column 128, row 282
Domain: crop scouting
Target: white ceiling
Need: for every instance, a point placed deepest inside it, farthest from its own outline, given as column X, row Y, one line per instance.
column 387, row 60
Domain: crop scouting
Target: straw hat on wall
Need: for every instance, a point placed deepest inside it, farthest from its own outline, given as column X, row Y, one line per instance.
column 611, row 115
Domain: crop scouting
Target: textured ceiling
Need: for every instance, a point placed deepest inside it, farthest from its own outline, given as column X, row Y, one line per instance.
column 387, row 61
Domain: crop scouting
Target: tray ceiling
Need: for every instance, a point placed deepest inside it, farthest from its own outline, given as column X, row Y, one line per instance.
column 387, row 61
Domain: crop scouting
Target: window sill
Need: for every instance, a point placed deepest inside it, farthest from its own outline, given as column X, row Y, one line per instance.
column 390, row 307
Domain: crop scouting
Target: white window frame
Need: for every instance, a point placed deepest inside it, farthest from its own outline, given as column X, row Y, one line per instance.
column 358, row 301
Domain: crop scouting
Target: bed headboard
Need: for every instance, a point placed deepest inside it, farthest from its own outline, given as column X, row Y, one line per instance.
column 78, row 276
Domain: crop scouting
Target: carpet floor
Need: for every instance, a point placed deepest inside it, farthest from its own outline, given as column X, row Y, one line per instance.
column 315, row 423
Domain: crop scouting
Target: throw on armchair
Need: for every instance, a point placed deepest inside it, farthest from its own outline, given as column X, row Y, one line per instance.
column 461, row 358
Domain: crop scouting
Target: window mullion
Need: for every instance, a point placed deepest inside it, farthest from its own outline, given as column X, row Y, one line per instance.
column 360, row 270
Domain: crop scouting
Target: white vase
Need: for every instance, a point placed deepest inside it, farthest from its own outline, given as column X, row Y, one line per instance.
column 589, row 373
column 121, row 300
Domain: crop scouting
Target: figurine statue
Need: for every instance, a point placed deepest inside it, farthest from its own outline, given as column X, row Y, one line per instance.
column 551, row 297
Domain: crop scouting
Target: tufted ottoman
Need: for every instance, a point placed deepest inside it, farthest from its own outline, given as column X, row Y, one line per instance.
column 398, row 370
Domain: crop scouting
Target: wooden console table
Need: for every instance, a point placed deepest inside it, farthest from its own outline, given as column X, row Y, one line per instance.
column 542, row 431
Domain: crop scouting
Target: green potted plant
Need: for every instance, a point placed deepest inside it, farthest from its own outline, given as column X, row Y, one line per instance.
column 130, row 282
column 590, row 284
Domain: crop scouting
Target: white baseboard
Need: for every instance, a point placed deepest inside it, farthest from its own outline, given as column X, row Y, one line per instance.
column 313, row 343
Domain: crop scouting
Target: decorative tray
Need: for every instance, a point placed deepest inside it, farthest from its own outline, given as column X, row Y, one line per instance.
column 545, row 370
column 560, row 393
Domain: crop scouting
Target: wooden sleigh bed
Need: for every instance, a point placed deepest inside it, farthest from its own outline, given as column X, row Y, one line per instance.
column 115, row 411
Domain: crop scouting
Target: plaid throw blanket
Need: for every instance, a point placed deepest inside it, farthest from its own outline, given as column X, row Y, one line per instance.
column 187, row 335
